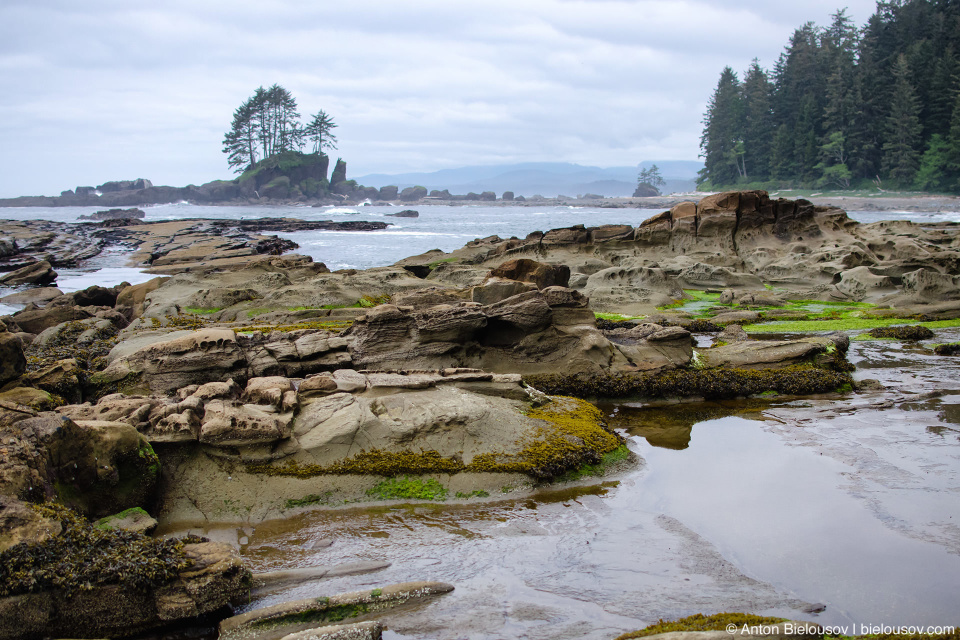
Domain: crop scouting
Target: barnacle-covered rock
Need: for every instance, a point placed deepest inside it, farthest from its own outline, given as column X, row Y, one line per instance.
column 84, row 581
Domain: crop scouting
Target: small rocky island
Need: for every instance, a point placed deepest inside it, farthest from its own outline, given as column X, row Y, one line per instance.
column 248, row 383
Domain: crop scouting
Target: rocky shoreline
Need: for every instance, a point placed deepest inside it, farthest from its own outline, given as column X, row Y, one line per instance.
column 246, row 385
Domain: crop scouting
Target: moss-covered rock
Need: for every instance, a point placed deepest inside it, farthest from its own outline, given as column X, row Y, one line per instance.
column 905, row 332
column 710, row 384
column 103, row 467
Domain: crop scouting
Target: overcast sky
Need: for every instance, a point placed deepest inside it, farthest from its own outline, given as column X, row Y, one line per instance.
column 104, row 90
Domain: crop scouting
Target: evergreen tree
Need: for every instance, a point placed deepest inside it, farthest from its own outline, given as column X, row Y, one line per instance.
column 721, row 144
column 840, row 111
column 931, row 175
column 651, row 177
column 319, row 132
column 268, row 123
column 901, row 157
column 758, row 132
column 951, row 154
column 847, row 105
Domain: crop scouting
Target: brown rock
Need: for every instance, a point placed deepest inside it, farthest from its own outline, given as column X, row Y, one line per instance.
column 12, row 361
column 526, row 270
column 38, row 273
column 36, row 320
column 131, row 300
column 19, row 523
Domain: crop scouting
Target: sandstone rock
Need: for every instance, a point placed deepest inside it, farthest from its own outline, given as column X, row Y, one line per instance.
column 733, row 333
column 61, row 378
column 21, row 524
column 295, row 616
column 930, row 285
column 38, row 273
column 766, row 354
column 37, row 399
column 134, row 519
column 429, row 297
column 220, row 298
column 736, row 317
column 12, row 361
column 36, row 320
column 232, row 424
column 369, row 630
column 39, row 296
column 860, row 282
column 103, row 466
column 215, row 579
column 132, row 299
column 540, row 274
column 203, row 356
column 495, row 289
column 317, row 385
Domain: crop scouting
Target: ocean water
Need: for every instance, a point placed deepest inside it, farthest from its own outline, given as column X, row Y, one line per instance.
column 437, row 227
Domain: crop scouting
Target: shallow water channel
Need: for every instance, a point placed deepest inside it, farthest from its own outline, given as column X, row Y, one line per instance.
column 779, row 507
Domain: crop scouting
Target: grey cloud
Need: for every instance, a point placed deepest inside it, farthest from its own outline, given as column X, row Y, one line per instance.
column 106, row 89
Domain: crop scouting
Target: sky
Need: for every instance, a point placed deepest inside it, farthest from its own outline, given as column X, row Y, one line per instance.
column 108, row 90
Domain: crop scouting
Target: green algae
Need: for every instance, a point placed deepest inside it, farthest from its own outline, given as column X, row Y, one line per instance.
column 700, row 622
column 614, row 317
column 841, row 324
column 408, row 488
column 202, row 310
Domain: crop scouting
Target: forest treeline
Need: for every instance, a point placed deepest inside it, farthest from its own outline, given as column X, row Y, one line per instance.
column 845, row 107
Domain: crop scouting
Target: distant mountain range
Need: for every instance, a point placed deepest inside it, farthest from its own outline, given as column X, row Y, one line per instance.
column 548, row 179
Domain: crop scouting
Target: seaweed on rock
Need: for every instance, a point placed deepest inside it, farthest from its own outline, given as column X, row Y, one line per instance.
column 83, row 557
column 713, row 384
column 904, row 332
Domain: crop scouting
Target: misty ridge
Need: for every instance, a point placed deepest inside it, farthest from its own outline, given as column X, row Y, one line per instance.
column 544, row 178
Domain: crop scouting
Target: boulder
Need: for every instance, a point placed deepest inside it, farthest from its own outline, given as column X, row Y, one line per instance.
column 102, row 467
column 39, row 273
column 21, row 524
column 531, row 332
column 214, row 578
column 39, row 296
column 767, row 354
column 388, row 192
column 95, row 296
column 131, row 301
column 495, row 289
column 36, row 320
column 406, row 213
column 12, row 361
column 134, row 519
column 411, row 194
column 62, row 378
